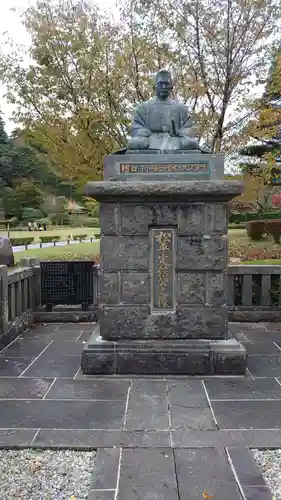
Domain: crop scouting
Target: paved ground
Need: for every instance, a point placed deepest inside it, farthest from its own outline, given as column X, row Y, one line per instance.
column 157, row 439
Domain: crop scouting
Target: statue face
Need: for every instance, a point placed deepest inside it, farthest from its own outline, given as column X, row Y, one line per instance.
column 163, row 86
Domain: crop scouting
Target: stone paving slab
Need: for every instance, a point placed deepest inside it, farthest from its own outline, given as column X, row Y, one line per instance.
column 147, row 474
column 262, row 414
column 205, row 470
column 61, row 414
column 243, row 389
column 112, row 390
column 147, row 406
column 159, row 436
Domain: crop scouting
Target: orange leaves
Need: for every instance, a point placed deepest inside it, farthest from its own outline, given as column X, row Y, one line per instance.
column 207, row 496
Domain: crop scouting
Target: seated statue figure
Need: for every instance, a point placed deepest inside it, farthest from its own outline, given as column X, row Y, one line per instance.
column 162, row 123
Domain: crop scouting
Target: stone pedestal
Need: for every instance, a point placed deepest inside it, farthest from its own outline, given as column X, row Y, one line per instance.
column 163, row 278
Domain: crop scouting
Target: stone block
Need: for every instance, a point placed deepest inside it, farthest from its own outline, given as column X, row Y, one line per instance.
column 191, row 219
column 136, row 219
column 6, row 252
column 124, row 252
column 216, row 289
column 191, row 288
column 99, row 359
column 161, row 360
column 199, row 253
column 109, row 218
column 216, row 217
column 168, row 357
column 229, row 357
column 109, row 288
column 135, row 288
column 136, row 322
column 202, row 322
column 122, row 321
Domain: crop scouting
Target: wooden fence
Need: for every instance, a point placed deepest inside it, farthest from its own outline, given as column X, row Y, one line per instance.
column 254, row 294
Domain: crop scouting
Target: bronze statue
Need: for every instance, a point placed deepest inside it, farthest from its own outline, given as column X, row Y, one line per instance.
column 162, row 123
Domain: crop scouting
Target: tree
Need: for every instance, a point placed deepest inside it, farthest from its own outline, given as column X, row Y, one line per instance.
column 22, row 195
column 262, row 157
column 76, row 95
column 26, row 175
column 220, row 53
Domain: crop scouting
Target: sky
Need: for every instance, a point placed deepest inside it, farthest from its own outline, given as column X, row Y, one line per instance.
column 10, row 24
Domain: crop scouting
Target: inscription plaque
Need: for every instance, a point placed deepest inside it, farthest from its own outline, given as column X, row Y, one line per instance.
column 163, row 168
column 67, row 282
column 162, row 269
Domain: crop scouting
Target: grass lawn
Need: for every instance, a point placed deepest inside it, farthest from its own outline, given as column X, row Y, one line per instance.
column 265, row 262
column 62, row 231
column 91, row 250
column 79, row 251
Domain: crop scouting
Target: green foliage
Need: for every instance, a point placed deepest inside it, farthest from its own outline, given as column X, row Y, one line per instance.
column 97, row 236
column 83, row 251
column 80, row 237
column 21, row 241
column 31, row 214
column 49, row 239
column 256, row 229
column 238, row 218
column 23, row 194
column 241, row 225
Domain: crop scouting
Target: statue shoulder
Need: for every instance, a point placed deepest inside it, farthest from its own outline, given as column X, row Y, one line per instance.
column 140, row 108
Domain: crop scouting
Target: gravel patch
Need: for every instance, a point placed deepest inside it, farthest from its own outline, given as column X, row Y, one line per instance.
column 45, row 475
column 269, row 462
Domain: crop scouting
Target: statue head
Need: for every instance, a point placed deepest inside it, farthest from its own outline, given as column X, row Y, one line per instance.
column 163, row 84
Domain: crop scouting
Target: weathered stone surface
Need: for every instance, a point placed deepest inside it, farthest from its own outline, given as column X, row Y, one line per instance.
column 98, row 358
column 192, row 218
column 136, row 219
column 178, row 357
column 201, row 253
column 202, row 322
column 130, row 322
column 135, row 288
column 216, row 289
column 120, row 252
column 191, row 288
column 216, row 217
column 123, row 321
column 109, row 218
column 109, row 288
column 195, row 190
column 6, row 252
column 229, row 357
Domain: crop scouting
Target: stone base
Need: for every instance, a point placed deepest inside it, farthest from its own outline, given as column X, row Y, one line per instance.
column 163, row 357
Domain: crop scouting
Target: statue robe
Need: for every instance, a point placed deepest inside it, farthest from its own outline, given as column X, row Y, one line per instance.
column 155, row 117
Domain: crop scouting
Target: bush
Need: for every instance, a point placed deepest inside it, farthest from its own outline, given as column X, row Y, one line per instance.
column 32, row 213
column 80, row 237
column 97, row 236
column 17, row 242
column 237, row 218
column 49, row 239
column 242, row 225
column 93, row 222
column 273, row 227
column 255, row 229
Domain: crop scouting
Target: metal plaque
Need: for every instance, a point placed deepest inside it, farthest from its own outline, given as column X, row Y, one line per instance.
column 67, row 282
